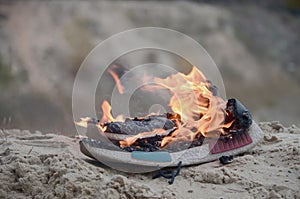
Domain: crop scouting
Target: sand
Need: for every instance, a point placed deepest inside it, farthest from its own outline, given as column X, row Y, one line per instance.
column 33, row 165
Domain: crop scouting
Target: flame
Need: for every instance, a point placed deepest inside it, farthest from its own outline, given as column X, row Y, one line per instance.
column 107, row 116
column 196, row 110
column 195, row 103
column 117, row 80
column 148, row 84
column 129, row 141
column 180, row 134
column 83, row 122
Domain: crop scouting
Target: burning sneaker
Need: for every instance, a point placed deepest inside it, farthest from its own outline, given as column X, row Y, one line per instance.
column 202, row 128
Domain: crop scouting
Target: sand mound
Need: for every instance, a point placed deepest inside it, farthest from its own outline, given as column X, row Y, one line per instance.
column 51, row 166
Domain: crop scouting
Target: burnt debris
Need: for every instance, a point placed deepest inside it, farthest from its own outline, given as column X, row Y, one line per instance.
column 241, row 116
column 226, row 159
column 235, row 112
column 213, row 88
column 149, row 143
column 139, row 125
column 145, row 144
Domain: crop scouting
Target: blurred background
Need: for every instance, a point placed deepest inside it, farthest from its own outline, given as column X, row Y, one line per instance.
column 255, row 44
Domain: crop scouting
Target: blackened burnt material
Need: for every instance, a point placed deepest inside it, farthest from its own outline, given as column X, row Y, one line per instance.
column 237, row 112
column 136, row 125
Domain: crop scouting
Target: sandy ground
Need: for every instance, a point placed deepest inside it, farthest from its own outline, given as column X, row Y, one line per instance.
column 33, row 165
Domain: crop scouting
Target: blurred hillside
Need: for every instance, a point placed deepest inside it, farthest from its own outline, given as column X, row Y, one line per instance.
column 43, row 43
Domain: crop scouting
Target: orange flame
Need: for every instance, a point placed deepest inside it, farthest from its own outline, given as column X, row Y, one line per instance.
column 83, row 122
column 129, row 141
column 194, row 106
column 180, row 134
column 107, row 116
column 117, row 80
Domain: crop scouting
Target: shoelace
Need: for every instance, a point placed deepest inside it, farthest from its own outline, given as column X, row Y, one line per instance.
column 169, row 174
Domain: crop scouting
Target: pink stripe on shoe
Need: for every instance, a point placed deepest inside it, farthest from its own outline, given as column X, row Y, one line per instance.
column 227, row 145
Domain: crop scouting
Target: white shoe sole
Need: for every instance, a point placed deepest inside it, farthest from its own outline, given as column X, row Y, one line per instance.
column 149, row 161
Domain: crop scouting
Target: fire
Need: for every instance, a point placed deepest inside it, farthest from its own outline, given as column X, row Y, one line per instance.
column 83, row 122
column 107, row 116
column 196, row 110
column 117, row 80
column 180, row 134
column 195, row 103
column 129, row 141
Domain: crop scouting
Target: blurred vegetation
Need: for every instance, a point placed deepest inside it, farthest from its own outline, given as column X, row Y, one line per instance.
column 6, row 75
column 78, row 36
column 293, row 5
column 259, row 37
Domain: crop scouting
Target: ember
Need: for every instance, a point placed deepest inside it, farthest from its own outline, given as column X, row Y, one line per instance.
column 198, row 113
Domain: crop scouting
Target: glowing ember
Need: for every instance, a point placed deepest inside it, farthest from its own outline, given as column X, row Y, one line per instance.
column 129, row 141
